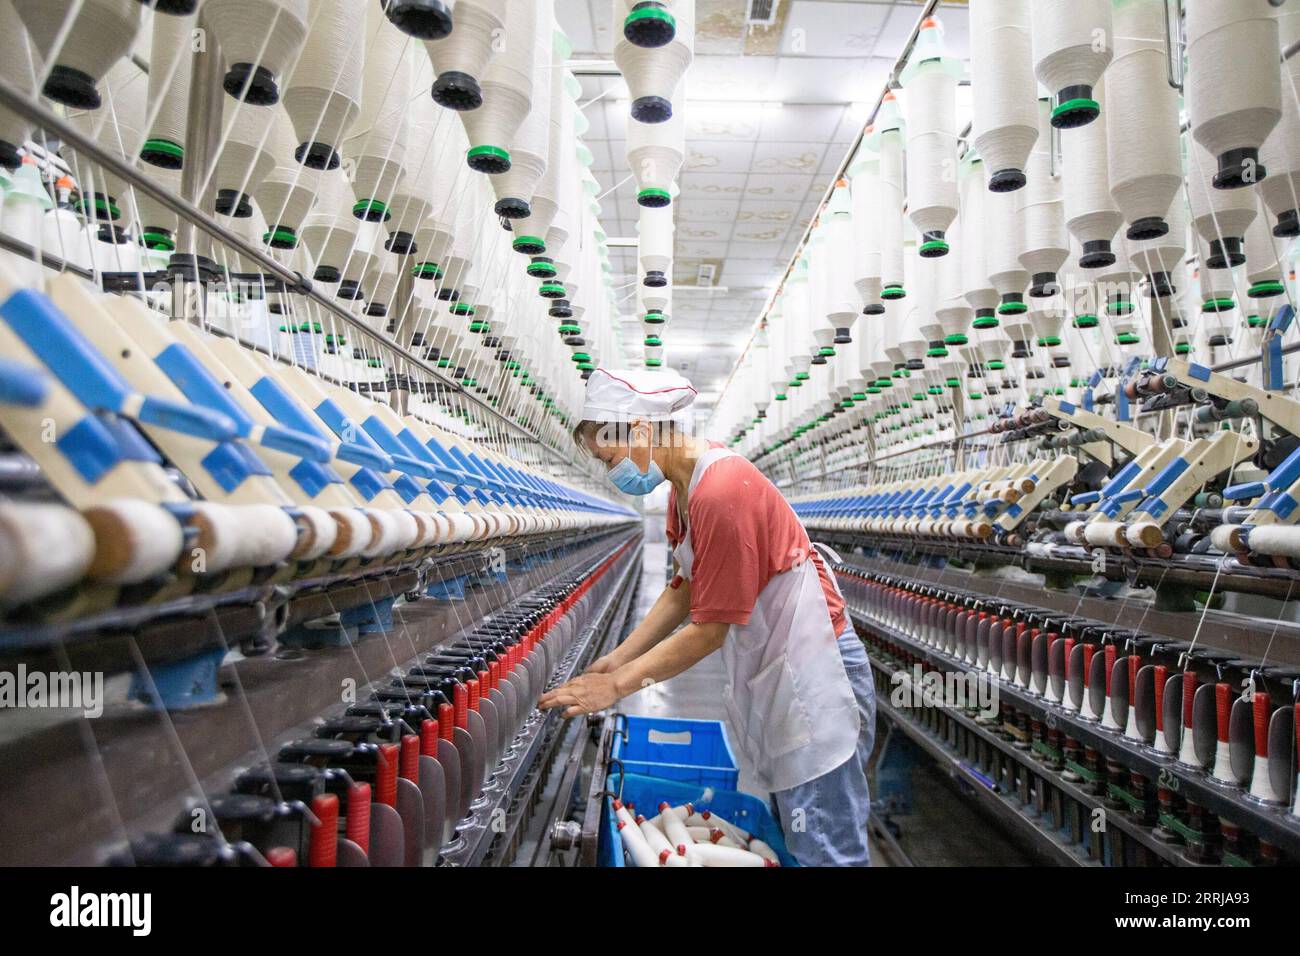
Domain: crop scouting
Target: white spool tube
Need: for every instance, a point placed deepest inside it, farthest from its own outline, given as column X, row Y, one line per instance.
column 1220, row 216
column 710, row 854
column 100, row 34
column 930, row 95
column 1003, row 89
column 461, row 57
column 376, row 149
column 672, row 820
column 654, row 155
column 1072, row 48
column 259, row 39
column 841, row 303
column 323, row 94
column 889, row 145
column 659, row 845
column 655, row 245
column 1233, row 85
column 507, row 89
column 1040, row 209
column 1280, row 154
column 1003, row 242
column 1090, row 211
column 653, row 73
column 979, row 292
column 634, row 841
column 1143, row 157
column 864, row 174
column 171, row 62
column 43, row 548
column 515, row 187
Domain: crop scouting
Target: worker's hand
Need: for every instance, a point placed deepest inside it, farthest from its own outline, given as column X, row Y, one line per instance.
column 585, row 694
column 603, row 665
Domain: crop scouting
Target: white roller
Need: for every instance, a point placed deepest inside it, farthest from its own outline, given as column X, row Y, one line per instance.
column 376, row 150
column 1233, row 85
column 1003, row 88
column 323, row 94
column 1040, row 209
column 1220, row 216
column 1280, row 154
column 1090, row 211
column 1072, row 48
column 171, row 62
column 507, row 90
column 101, row 33
column 461, row 58
column 930, row 93
column 887, row 139
column 653, row 73
column 43, row 548
column 516, row 186
column 259, row 39
column 1142, row 151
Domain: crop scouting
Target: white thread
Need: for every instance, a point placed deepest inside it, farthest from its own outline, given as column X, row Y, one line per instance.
column 889, row 145
column 655, row 240
column 377, row 147
column 1142, row 151
column 1217, row 214
column 468, row 47
column 1002, row 240
column 1280, row 154
column 655, row 71
column 1041, row 207
column 1263, row 263
column 330, row 230
column 100, row 36
column 507, row 84
column 265, row 33
column 655, row 151
column 171, row 62
column 1090, row 212
column 954, row 312
column 930, row 94
column 864, row 175
column 528, row 148
column 979, row 292
column 287, row 193
column 323, row 93
column 1071, row 41
column 1002, row 83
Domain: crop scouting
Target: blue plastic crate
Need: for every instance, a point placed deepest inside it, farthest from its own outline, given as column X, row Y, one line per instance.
column 743, row 809
column 690, row 751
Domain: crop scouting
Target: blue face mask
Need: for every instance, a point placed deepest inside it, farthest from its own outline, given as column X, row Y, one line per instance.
column 627, row 478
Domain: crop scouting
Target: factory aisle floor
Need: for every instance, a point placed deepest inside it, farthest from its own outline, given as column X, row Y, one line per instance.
column 695, row 694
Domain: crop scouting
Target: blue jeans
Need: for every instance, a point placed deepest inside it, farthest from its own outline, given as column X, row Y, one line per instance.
column 825, row 820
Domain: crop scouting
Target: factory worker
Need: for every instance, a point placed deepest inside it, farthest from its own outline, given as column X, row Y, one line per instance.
column 798, row 688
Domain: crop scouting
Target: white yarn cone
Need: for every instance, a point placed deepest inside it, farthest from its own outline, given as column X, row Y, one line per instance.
column 530, row 231
column 461, row 58
column 286, row 194
column 930, row 94
column 171, row 62
column 1158, row 259
column 798, row 325
column 516, row 186
column 887, row 140
column 953, row 311
column 1264, row 267
column 1072, row 48
column 864, row 175
column 246, row 158
column 1280, row 154
column 323, row 94
column 1142, row 150
column 259, row 39
column 381, row 288
column 1041, row 211
column 654, row 154
column 101, row 33
column 1004, row 91
column 330, row 230
column 1117, row 293
column 376, row 149
column 842, row 302
column 20, row 66
column 653, row 73
column 158, row 224
column 979, row 292
column 411, row 204
column 1233, row 85
column 1220, row 216
column 1003, row 237
column 118, row 127
column 1090, row 212
column 1218, row 305
column 507, row 89
column 655, row 246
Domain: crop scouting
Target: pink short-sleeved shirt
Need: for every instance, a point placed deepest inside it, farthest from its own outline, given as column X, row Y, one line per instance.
column 743, row 533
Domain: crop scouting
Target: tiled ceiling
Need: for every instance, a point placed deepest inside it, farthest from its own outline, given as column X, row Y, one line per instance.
column 770, row 114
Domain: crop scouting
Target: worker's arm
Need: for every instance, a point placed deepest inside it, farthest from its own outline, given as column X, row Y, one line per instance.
column 667, row 614
column 593, row 692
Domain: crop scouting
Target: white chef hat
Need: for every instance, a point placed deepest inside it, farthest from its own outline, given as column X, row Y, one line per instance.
column 620, row 395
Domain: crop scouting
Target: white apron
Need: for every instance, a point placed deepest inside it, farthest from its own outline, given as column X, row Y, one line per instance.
column 787, row 694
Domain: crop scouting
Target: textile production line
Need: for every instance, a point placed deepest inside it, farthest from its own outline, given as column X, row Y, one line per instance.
column 288, row 500
column 1045, row 411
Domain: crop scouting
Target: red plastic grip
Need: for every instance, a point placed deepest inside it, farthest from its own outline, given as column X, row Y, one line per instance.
column 1161, row 677
column 323, row 845
column 446, row 721
column 1088, row 651
column 1109, row 652
column 386, row 774
column 282, row 856
column 429, row 733
column 1223, row 708
column 357, row 827
column 1263, row 710
column 1133, row 662
column 410, row 766
column 1189, row 696
column 460, row 697
column 472, row 686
